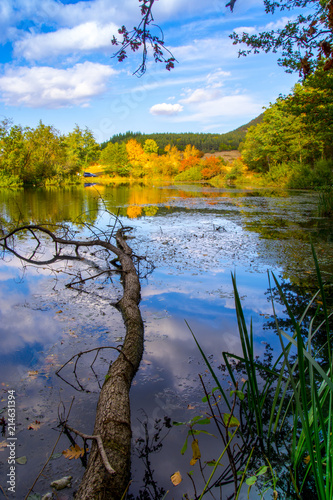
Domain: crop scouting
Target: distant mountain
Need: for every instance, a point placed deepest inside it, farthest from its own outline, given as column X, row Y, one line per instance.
column 244, row 128
column 207, row 143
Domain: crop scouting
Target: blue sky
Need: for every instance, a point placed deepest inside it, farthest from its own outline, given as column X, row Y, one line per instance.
column 56, row 65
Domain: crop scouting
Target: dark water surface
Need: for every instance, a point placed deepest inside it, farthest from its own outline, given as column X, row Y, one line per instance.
column 196, row 236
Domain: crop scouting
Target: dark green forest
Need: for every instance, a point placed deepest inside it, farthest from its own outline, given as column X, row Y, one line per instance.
column 207, row 143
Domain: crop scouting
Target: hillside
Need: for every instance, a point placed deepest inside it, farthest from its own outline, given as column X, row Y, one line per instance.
column 207, row 143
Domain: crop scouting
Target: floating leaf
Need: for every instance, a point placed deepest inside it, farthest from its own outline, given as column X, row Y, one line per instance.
column 230, row 421
column 195, row 451
column 33, row 373
column 190, row 407
column 3, row 445
column 34, row 426
column 56, row 455
column 74, row 452
column 176, row 478
column 21, row 460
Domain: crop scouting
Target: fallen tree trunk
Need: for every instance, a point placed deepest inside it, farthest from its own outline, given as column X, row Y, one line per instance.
column 113, row 422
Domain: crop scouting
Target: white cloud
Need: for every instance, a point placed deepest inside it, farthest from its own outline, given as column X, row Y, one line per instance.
column 85, row 37
column 166, row 109
column 201, row 95
column 245, row 29
column 227, row 106
column 48, row 87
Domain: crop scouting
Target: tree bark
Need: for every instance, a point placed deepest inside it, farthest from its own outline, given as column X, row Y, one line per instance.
column 113, row 420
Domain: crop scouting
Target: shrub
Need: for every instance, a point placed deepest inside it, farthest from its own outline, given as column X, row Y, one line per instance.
column 308, row 176
column 192, row 174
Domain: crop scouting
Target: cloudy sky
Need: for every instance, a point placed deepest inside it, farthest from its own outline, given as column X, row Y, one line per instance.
column 56, row 65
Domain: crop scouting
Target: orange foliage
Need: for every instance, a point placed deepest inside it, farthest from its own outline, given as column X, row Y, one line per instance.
column 210, row 167
column 188, row 162
column 133, row 212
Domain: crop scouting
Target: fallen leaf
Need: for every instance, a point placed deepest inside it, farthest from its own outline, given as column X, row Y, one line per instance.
column 176, row 478
column 58, row 312
column 195, row 451
column 21, row 460
column 74, row 452
column 190, row 407
column 3, row 445
column 32, row 373
column 34, row 426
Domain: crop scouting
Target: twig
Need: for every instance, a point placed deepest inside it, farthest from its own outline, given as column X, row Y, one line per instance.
column 100, row 446
column 3, row 491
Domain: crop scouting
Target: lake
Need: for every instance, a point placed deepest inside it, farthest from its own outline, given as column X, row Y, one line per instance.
column 195, row 236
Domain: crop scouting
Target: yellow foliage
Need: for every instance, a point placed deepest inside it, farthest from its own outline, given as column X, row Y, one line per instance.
column 135, row 152
column 191, row 151
column 134, row 211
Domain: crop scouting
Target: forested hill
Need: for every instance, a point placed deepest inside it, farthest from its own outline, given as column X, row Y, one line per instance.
column 208, row 143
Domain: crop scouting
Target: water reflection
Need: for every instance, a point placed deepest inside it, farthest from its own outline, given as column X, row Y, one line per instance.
column 195, row 237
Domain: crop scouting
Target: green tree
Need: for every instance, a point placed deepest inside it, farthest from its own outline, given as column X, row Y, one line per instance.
column 45, row 155
column 13, row 150
column 313, row 101
column 280, row 138
column 150, row 146
column 81, row 149
column 115, row 158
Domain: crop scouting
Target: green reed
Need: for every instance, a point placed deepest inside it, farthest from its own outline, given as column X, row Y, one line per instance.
column 296, row 393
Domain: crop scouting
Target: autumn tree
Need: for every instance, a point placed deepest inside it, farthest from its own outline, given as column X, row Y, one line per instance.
column 211, row 167
column 137, row 157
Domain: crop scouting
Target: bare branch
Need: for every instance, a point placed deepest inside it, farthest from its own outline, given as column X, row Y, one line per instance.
column 99, row 442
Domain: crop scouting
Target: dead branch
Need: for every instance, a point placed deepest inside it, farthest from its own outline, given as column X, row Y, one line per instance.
column 99, row 441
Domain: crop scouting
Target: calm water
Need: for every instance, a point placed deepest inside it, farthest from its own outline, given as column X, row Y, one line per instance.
column 195, row 236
